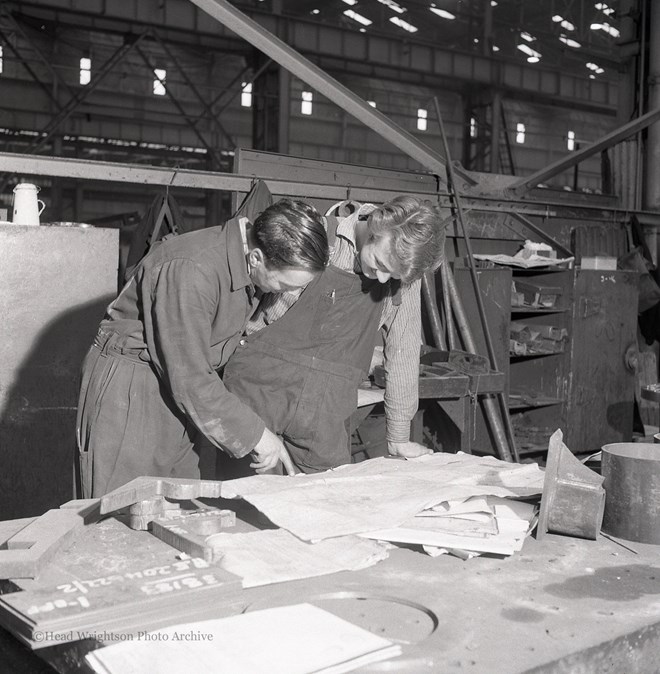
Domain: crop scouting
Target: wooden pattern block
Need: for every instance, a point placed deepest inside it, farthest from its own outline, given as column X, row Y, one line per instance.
column 28, row 551
column 146, row 488
column 191, row 532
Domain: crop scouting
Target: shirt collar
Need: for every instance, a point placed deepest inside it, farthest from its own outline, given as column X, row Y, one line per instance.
column 236, row 244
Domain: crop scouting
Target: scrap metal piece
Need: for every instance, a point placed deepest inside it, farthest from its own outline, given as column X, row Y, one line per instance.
column 573, row 499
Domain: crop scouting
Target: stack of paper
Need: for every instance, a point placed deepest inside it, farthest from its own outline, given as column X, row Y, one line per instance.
column 288, row 640
column 466, row 527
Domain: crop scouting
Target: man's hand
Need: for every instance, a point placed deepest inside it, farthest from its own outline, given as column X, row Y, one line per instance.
column 408, row 450
column 268, row 452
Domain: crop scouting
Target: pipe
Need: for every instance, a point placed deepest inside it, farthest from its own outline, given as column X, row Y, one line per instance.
column 428, row 291
column 506, row 452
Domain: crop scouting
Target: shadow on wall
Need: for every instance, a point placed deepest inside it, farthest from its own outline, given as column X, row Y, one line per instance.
column 38, row 419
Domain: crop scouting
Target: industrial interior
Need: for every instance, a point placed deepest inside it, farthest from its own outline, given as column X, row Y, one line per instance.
column 232, row 408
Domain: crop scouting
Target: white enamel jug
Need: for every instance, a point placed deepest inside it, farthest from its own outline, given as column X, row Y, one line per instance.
column 27, row 208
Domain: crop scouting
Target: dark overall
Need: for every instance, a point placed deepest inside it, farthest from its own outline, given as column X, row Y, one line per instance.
column 301, row 373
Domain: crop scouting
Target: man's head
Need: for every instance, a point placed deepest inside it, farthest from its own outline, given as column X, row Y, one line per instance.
column 405, row 240
column 287, row 246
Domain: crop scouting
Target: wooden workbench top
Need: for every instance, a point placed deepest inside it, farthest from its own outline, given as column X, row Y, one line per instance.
column 560, row 605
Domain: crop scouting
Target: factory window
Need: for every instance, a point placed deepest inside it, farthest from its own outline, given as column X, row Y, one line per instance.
column 306, row 104
column 571, row 140
column 246, row 94
column 159, row 82
column 520, row 133
column 85, row 70
column 422, row 115
column 473, row 127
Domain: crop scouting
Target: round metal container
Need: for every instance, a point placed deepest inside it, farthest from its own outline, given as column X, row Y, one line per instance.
column 631, row 472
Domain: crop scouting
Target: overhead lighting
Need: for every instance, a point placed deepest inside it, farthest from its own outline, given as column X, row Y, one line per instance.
column 531, row 53
column 596, row 68
column 604, row 8
column 569, row 42
column 357, row 17
column 567, row 25
column 610, row 30
column 493, row 3
column 351, row 2
column 495, row 48
column 394, row 6
column 316, row 11
column 403, row 24
column 527, row 36
column 443, row 14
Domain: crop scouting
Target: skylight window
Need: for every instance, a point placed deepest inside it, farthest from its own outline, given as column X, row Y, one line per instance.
column 306, row 102
column 394, row 6
column 422, row 119
column 403, row 24
column 610, row 30
column 473, row 127
column 520, row 133
column 570, row 141
column 569, row 42
column 357, row 17
column 159, row 82
column 442, row 13
column 85, row 71
column 246, row 94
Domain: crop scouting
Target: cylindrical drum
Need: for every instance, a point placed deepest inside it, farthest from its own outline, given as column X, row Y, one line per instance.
column 631, row 472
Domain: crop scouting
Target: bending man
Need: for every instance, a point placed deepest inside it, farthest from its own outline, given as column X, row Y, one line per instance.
column 301, row 372
column 150, row 383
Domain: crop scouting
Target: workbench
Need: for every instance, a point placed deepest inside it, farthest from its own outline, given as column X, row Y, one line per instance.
column 560, row 605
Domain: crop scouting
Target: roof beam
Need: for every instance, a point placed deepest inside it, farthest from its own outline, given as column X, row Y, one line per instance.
column 319, row 80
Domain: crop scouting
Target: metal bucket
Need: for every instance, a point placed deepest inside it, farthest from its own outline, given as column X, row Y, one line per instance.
column 631, row 472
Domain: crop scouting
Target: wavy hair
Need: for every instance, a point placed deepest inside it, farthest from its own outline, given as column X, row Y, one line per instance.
column 417, row 235
column 291, row 233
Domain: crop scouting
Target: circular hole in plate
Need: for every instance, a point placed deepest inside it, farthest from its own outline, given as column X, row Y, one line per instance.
column 398, row 620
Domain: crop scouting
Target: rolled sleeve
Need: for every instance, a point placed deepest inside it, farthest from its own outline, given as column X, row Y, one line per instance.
column 180, row 300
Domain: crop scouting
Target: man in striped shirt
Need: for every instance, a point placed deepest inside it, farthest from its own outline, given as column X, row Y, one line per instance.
column 306, row 354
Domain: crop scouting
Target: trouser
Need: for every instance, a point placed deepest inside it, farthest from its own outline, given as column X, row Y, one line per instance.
column 127, row 424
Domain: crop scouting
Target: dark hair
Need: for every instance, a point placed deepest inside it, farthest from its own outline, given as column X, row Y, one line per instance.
column 417, row 235
column 290, row 233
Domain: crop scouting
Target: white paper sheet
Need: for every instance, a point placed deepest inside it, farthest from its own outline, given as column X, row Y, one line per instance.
column 297, row 639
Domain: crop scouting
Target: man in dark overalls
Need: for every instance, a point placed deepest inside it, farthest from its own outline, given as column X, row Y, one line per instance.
column 301, row 372
column 150, row 382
